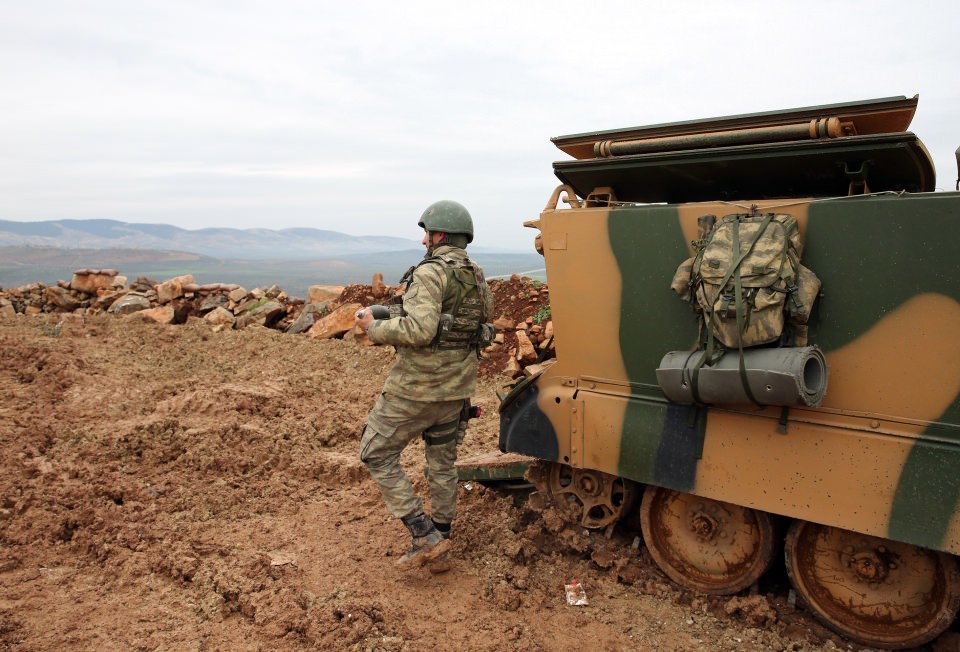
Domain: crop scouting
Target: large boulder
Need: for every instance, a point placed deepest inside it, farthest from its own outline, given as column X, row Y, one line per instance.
column 274, row 292
column 129, row 304
column 237, row 294
column 89, row 281
column 308, row 317
column 265, row 314
column 160, row 314
column 62, row 299
column 378, row 287
column 106, row 299
column 212, row 301
column 219, row 317
column 173, row 289
column 336, row 323
column 321, row 293
column 143, row 284
column 248, row 303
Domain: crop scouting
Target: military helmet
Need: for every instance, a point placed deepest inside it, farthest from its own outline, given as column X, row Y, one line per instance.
column 446, row 216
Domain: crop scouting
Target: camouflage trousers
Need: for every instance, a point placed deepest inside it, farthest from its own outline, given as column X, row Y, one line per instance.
column 391, row 425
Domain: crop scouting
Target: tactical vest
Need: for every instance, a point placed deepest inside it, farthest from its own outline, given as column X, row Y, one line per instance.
column 462, row 319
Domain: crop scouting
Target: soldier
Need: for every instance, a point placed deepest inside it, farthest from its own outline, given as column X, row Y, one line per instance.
column 437, row 334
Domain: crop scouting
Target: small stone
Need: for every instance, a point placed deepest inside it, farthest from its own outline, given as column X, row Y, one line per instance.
column 525, row 351
column 237, row 295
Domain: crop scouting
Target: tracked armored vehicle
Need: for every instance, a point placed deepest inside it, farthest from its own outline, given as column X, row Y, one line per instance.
column 835, row 435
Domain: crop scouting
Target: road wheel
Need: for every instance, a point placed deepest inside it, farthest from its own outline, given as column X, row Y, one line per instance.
column 704, row 544
column 591, row 499
column 877, row 592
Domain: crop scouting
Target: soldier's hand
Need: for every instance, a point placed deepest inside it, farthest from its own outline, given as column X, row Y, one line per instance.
column 364, row 319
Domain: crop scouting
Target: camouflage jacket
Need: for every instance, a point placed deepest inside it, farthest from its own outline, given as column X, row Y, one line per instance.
column 421, row 373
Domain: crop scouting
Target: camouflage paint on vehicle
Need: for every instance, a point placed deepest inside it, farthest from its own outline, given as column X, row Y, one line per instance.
column 878, row 457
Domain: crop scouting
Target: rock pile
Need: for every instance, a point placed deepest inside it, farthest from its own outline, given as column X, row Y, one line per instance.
column 522, row 309
column 524, row 342
column 93, row 291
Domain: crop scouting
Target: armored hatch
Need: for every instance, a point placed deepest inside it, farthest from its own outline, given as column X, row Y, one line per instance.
column 820, row 151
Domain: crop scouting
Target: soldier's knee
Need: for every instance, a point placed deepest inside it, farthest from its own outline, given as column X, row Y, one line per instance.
column 442, row 450
column 370, row 454
column 371, row 458
column 363, row 443
column 380, row 463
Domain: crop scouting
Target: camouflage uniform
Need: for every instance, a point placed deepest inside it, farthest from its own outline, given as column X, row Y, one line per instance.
column 425, row 389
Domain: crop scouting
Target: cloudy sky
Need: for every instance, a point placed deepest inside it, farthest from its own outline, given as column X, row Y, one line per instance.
column 353, row 116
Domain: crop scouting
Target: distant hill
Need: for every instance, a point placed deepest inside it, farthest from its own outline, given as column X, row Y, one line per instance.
column 22, row 265
column 247, row 244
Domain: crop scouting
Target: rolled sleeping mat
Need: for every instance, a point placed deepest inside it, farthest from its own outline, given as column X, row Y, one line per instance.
column 784, row 376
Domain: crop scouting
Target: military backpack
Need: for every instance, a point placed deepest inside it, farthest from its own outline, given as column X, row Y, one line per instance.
column 747, row 283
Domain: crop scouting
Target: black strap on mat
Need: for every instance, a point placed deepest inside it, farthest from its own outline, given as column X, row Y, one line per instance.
column 732, row 272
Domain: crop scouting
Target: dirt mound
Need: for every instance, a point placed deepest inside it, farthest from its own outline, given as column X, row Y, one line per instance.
column 173, row 487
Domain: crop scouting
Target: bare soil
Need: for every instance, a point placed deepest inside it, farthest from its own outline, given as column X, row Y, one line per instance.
column 172, row 488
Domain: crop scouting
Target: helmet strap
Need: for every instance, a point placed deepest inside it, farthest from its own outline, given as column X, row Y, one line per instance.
column 430, row 243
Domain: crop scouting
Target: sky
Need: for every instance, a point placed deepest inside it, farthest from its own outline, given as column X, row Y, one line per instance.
column 354, row 116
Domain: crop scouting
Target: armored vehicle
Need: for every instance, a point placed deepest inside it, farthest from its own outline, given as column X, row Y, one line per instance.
column 828, row 425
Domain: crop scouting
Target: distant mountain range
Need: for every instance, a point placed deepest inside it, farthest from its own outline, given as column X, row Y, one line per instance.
column 294, row 259
column 248, row 244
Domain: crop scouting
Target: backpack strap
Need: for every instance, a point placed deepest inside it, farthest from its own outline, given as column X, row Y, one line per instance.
column 710, row 318
column 738, row 293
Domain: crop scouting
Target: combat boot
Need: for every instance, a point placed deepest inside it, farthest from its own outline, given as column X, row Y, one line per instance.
column 428, row 543
column 442, row 563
